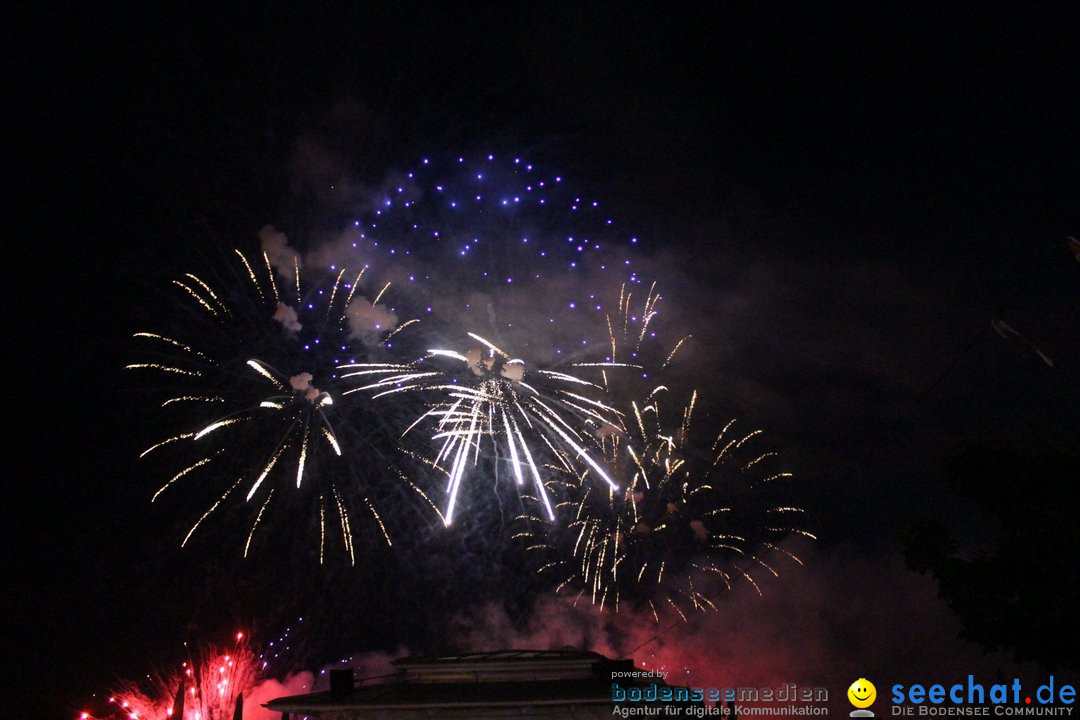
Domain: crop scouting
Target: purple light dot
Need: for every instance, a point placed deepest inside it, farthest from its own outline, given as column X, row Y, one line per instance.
column 425, row 161
column 509, row 279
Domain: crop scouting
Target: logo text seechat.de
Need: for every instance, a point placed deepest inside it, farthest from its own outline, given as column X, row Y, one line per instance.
column 972, row 694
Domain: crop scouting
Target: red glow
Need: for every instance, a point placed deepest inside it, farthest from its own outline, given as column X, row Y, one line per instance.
column 210, row 694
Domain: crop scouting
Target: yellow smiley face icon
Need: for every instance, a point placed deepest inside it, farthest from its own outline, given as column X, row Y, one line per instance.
column 862, row 693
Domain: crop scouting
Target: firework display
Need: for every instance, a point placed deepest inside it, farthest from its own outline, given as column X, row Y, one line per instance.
column 496, row 245
column 298, row 385
column 248, row 373
column 527, row 414
column 686, row 524
column 209, row 685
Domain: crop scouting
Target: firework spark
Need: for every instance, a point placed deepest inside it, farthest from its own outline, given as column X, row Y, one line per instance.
column 253, row 384
column 213, row 683
column 686, row 524
column 491, row 406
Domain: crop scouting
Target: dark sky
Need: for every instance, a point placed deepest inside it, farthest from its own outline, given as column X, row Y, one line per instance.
column 851, row 194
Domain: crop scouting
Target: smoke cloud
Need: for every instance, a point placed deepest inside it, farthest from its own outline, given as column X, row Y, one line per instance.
column 288, row 318
column 276, row 247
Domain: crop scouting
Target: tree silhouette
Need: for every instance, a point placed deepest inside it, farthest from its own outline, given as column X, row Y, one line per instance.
column 1018, row 591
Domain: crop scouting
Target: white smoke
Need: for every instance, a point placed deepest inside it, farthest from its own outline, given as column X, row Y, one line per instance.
column 288, row 318
column 281, row 255
column 368, row 322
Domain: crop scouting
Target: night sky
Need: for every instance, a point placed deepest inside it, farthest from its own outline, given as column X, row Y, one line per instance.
column 841, row 198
